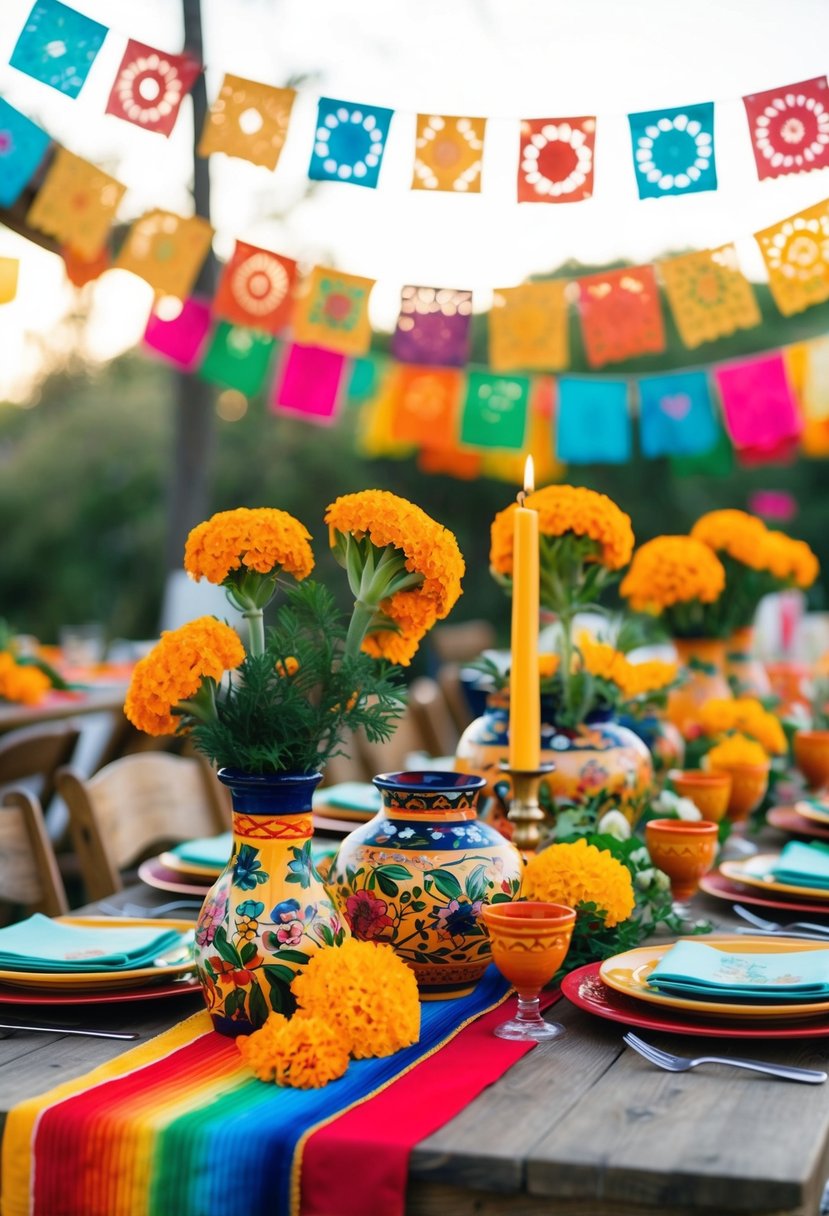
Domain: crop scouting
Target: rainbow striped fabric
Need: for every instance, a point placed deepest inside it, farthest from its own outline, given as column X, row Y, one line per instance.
column 179, row 1127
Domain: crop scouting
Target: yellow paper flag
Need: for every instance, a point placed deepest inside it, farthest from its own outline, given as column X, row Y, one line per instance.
column 448, row 153
column 248, row 120
column 796, row 253
column 709, row 295
column 332, row 311
column 76, row 204
column 9, row 268
column 528, row 328
column 167, row 250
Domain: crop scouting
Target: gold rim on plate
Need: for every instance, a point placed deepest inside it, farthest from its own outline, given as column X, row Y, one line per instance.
column 628, row 973
column 807, row 811
column 739, row 871
column 190, row 869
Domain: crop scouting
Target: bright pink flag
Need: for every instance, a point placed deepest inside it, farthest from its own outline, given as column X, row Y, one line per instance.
column 758, row 402
column 309, row 383
column 181, row 339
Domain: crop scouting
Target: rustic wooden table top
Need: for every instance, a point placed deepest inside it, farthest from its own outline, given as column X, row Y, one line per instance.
column 58, row 706
column 580, row 1126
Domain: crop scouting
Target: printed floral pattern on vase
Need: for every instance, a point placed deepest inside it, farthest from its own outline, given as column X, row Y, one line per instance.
column 268, row 911
column 418, row 874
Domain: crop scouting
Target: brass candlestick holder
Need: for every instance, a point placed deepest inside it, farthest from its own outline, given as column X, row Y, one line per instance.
column 525, row 813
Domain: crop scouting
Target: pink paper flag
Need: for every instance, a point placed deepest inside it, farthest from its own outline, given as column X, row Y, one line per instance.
column 758, row 403
column 181, row 339
column 309, row 383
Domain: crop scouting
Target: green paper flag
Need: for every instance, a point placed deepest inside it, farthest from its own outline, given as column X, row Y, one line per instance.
column 718, row 461
column 238, row 358
column 495, row 411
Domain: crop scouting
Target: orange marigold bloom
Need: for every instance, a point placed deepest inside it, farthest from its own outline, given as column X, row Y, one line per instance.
column 548, row 665
column 22, row 683
column 261, row 539
column 602, row 660
column 366, row 994
column 563, row 509
column 286, row 667
column 740, row 535
column 791, row 561
column 736, row 749
column 672, row 570
column 747, row 716
column 174, row 669
column 305, row 1052
column 572, row 874
column 414, row 616
column 650, row 676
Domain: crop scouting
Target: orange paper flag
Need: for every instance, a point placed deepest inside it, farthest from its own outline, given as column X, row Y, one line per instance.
column 528, row 328
column 620, row 315
column 796, row 253
column 167, row 251
column 248, row 120
column 427, row 404
column 709, row 296
column 76, row 204
column 448, row 153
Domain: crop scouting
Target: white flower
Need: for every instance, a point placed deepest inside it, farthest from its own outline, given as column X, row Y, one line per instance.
column 661, row 881
column 686, row 809
column 644, row 878
column 638, row 856
column 613, row 823
column 405, row 833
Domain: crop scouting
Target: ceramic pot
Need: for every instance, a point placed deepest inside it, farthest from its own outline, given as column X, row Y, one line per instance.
column 418, row 874
column 268, row 911
column 662, row 739
column 749, row 783
column 703, row 660
column 599, row 761
column 744, row 671
column 811, row 754
column 710, row 792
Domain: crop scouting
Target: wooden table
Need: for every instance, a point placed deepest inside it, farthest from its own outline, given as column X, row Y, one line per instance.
column 578, row 1127
column 58, row 706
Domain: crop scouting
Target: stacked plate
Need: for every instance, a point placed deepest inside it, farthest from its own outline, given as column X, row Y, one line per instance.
column 191, row 868
column 794, row 880
column 809, row 817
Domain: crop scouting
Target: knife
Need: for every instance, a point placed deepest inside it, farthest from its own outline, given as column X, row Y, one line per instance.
column 94, row 1034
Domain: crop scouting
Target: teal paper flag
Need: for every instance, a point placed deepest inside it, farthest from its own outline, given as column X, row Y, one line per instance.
column 593, row 425
column 58, row 46
column 673, row 150
column 22, row 148
column 676, row 417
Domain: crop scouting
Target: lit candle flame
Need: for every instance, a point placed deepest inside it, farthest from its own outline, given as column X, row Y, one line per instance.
column 529, row 476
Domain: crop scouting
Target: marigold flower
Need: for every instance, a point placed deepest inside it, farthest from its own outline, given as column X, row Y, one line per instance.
column 791, row 561
column 602, row 660
column 414, row 616
column 22, row 683
column 305, row 1052
column 745, row 715
column 736, row 749
column 576, row 873
column 563, row 509
column 175, row 669
column 262, row 539
column 672, row 570
column 286, row 667
column 740, row 535
column 653, row 675
column 365, row 993
column 548, row 665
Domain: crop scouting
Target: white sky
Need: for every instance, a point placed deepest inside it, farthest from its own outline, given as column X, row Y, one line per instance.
column 504, row 59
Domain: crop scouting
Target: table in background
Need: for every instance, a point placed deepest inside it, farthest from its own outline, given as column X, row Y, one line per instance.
column 57, row 706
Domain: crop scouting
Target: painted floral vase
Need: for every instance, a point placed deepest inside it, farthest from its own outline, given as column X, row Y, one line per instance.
column 662, row 739
column 268, row 910
column 418, row 874
column 703, row 663
column 744, row 671
column 600, row 762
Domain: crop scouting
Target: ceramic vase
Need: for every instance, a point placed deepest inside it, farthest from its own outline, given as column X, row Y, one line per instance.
column 268, row 911
column 662, row 739
column 744, row 671
column 703, row 661
column 418, row 874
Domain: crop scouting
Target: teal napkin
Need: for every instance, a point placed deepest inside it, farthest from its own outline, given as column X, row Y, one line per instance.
column 803, row 865
column 350, row 796
column 691, row 969
column 41, row 944
column 206, row 850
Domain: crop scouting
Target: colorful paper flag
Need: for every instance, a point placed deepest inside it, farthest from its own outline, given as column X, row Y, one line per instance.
column 815, row 393
column 256, row 289
column 528, row 327
column 349, row 142
column 796, row 253
column 76, row 204
column 718, row 462
column 378, row 418
column 81, row 270
column 332, row 311
column 448, row 153
column 433, row 326
column 509, row 466
column 555, row 160
column 758, row 402
column 9, row 270
column 58, row 46
column 495, row 411
column 593, row 424
column 450, row 462
column 180, row 340
column 150, row 87
column 620, row 315
column 673, row 150
column 364, row 380
column 22, row 147
column 709, row 295
column 167, row 251
column 676, row 416
column 237, row 358
column 248, row 120
column 790, row 127
column 427, row 406
column 309, row 383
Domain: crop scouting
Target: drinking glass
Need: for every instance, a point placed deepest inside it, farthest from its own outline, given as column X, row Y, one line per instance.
column 529, row 943
column 684, row 850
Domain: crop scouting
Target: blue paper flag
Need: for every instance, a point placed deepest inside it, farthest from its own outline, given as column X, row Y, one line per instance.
column 593, row 422
column 349, row 142
column 58, row 46
column 677, row 415
column 22, row 147
column 673, row 150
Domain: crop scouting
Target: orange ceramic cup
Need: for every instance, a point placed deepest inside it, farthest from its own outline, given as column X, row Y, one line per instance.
column 682, row 849
column 811, row 754
column 529, row 940
column 749, row 783
column 709, row 792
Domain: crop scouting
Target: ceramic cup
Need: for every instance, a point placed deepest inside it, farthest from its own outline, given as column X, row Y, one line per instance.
column 684, row 850
column 811, row 754
column 709, row 792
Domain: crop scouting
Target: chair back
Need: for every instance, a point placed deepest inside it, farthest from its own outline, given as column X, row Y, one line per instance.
column 29, row 877
column 134, row 805
column 32, row 756
column 437, row 725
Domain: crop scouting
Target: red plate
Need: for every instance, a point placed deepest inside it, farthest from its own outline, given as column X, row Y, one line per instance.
column 584, row 989
column 154, row 874
column 185, row 986
column 787, row 819
column 723, row 888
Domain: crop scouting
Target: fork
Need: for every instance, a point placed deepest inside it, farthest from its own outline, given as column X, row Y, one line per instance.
column 773, row 926
column 664, row 1059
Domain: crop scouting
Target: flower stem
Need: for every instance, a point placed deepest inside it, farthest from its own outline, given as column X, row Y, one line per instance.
column 361, row 618
column 256, row 630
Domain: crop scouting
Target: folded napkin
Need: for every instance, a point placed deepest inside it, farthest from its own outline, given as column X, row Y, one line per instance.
column 803, row 865
column 691, row 969
column 41, row 944
column 206, row 850
column 350, row 796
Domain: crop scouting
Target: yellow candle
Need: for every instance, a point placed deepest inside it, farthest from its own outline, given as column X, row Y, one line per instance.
column 525, row 697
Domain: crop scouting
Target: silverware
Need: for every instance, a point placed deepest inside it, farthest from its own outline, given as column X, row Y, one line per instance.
column 664, row 1059
column 92, row 1034
column 783, row 933
column 150, row 911
column 774, row 926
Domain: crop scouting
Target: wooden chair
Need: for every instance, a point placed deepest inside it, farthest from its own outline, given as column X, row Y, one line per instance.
column 393, row 756
column 462, row 642
column 29, row 877
column 133, row 807
column 32, row 756
column 437, row 724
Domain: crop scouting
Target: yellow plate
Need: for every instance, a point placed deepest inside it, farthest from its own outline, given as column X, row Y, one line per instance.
column 742, row 871
column 628, row 973
column 190, row 868
column 88, row 981
column 809, row 812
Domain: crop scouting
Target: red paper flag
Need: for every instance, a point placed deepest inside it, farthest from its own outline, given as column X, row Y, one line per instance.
column 150, row 87
column 620, row 315
column 555, row 163
column 790, row 128
column 256, row 289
